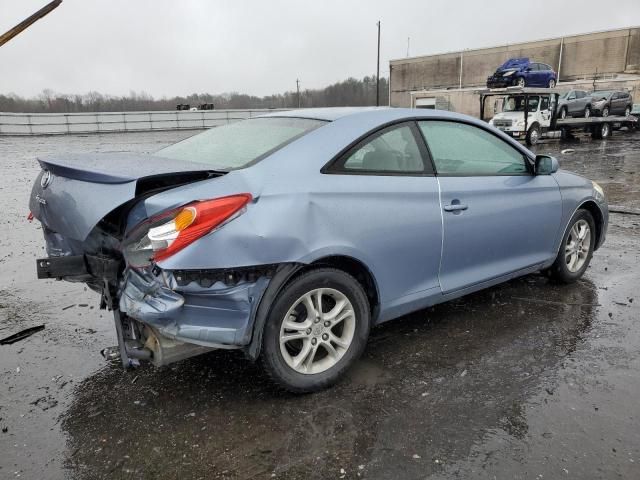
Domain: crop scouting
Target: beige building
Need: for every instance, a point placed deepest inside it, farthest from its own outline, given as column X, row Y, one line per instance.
column 449, row 81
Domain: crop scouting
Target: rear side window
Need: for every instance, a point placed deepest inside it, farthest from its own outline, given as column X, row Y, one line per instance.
column 239, row 144
column 393, row 150
column 459, row 149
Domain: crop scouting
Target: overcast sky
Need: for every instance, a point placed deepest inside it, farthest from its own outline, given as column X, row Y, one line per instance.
column 260, row 47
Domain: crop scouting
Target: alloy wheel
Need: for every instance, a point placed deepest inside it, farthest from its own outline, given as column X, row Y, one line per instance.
column 317, row 331
column 521, row 82
column 552, row 83
column 576, row 250
column 587, row 112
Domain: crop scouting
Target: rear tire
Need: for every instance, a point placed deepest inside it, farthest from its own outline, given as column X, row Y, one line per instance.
column 587, row 111
column 576, row 248
column 552, row 83
column 563, row 113
column 306, row 349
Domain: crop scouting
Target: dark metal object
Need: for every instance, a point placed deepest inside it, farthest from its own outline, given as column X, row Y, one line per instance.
column 78, row 265
column 378, row 70
column 16, row 337
column 58, row 267
column 26, row 23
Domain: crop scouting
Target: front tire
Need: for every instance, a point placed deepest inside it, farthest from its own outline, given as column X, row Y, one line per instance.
column 576, row 248
column 627, row 111
column 317, row 328
column 521, row 82
column 605, row 112
column 533, row 135
column 563, row 113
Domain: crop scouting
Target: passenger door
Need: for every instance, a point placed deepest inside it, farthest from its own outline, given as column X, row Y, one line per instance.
column 384, row 193
column 498, row 217
column 533, row 75
column 580, row 103
column 571, row 102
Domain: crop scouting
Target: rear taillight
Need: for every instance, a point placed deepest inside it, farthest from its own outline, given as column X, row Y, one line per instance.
column 167, row 233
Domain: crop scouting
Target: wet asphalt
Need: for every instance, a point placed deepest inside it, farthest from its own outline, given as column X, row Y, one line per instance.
column 524, row 380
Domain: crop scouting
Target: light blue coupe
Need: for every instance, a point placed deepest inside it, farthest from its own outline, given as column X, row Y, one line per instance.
column 291, row 234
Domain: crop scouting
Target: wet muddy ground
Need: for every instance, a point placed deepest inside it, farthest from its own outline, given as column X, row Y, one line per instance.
column 524, row 380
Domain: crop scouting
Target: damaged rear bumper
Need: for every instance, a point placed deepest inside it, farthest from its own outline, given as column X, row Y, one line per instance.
column 216, row 315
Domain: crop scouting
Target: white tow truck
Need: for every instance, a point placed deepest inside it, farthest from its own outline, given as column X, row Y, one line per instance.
column 531, row 114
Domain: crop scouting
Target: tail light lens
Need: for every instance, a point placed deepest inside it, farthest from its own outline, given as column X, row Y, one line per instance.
column 167, row 233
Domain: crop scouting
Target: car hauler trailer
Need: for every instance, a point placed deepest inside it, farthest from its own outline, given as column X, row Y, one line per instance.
column 530, row 114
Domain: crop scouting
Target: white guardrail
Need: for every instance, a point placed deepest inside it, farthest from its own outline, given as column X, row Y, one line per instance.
column 71, row 123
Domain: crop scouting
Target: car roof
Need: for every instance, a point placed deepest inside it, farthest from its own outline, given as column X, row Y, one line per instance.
column 381, row 114
column 329, row 114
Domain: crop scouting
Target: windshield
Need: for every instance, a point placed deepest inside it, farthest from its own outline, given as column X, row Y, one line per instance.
column 601, row 94
column 236, row 145
column 516, row 104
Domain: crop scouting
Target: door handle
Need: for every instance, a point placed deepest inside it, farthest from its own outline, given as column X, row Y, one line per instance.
column 456, row 207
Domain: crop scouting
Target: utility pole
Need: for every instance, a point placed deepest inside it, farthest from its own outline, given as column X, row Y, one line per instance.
column 378, row 70
column 298, row 89
column 26, row 23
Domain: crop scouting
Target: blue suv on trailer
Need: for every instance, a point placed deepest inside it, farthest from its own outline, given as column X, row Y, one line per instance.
column 522, row 73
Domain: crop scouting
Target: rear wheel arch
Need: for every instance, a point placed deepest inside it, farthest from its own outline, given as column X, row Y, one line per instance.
column 357, row 270
column 289, row 272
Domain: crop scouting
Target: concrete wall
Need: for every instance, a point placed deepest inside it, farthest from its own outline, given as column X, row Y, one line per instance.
column 580, row 56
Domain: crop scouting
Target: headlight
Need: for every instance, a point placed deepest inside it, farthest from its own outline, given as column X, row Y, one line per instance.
column 598, row 192
column 600, row 102
column 510, row 72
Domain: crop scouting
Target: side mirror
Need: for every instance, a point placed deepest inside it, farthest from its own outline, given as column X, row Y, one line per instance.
column 546, row 165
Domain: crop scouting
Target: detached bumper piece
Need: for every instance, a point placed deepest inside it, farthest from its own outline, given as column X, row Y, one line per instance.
column 196, row 306
column 157, row 323
column 147, row 300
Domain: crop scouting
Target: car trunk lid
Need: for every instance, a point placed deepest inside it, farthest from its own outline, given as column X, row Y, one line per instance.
column 73, row 193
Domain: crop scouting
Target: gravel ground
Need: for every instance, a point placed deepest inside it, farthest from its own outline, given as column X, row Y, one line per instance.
column 524, row 380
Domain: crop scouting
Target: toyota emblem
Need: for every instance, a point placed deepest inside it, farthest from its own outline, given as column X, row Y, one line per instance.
column 46, row 178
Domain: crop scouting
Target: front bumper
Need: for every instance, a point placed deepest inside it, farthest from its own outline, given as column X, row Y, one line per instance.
column 515, row 132
column 499, row 82
column 215, row 316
